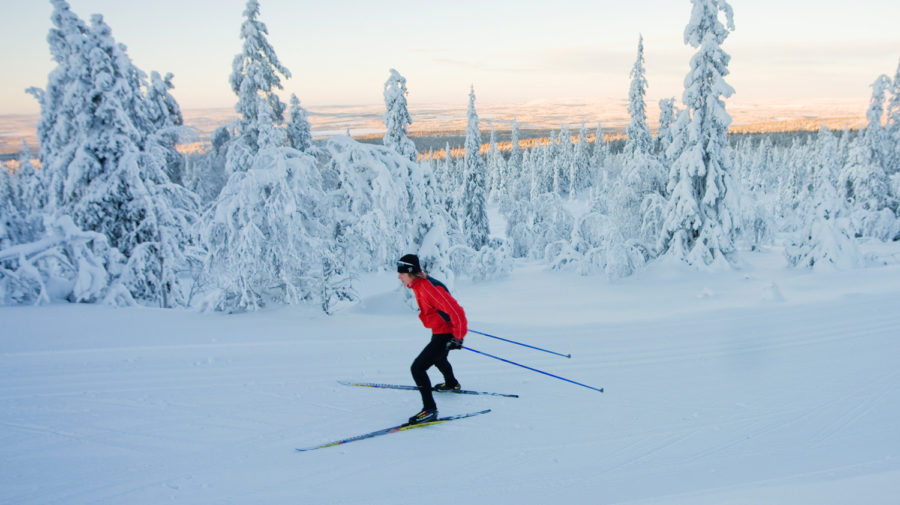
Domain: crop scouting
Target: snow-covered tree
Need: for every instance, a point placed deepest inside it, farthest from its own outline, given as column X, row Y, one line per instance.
column 65, row 263
column 106, row 161
column 867, row 187
column 474, row 198
column 602, row 248
column 514, row 173
column 545, row 167
column 299, row 132
column 165, row 114
column 639, row 138
column 563, row 160
column 641, row 173
column 892, row 127
column 496, row 167
column 256, row 73
column 700, row 212
column 875, row 135
column 581, row 166
column 269, row 135
column 206, row 176
column 264, row 234
column 396, row 117
column 667, row 115
column 825, row 237
column 601, row 151
column 533, row 226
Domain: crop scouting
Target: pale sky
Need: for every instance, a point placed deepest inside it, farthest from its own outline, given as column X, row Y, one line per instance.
column 340, row 51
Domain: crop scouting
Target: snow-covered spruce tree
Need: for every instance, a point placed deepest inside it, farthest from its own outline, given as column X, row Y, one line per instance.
column 106, row 163
column 206, row 176
column 384, row 204
column 299, row 132
column 474, row 198
column 545, row 166
column 533, row 226
column 66, row 263
column 602, row 248
column 264, row 232
column 580, row 179
column 64, row 101
column 639, row 138
column 397, row 118
column 892, row 127
column 641, row 174
column 864, row 181
column 865, row 185
column 255, row 73
column 514, row 174
column 653, row 205
column 23, row 197
column 875, row 135
column 564, row 159
column 165, row 115
column 599, row 158
column 825, row 238
column 496, row 168
column 667, row 114
column 531, row 174
column 700, row 212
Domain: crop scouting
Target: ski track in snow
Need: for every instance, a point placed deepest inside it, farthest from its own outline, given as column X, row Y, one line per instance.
column 729, row 400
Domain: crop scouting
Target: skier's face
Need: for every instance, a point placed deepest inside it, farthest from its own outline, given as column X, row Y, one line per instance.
column 406, row 279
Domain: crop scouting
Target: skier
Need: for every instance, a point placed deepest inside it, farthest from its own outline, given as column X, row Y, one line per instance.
column 440, row 313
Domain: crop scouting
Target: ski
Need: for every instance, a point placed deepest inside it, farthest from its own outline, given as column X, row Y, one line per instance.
column 395, row 429
column 415, row 388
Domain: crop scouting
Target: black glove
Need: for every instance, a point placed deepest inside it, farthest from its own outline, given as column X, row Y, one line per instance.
column 454, row 343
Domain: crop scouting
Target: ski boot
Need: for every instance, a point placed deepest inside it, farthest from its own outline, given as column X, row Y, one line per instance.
column 424, row 416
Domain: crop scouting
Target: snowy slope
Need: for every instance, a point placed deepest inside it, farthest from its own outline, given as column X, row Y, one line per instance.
column 758, row 386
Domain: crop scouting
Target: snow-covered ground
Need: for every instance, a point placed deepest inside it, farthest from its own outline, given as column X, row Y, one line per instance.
column 756, row 386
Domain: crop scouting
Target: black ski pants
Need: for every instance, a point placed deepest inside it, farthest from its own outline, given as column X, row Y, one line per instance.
column 435, row 353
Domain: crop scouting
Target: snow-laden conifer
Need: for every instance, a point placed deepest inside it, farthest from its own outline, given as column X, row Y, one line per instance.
column 165, row 115
column 825, row 237
column 496, row 168
column 892, row 127
column 299, row 132
column 563, row 161
column 264, row 234
column 396, row 117
column 64, row 264
column 700, row 213
column 641, row 174
column 207, row 175
column 876, row 135
column 474, row 197
column 256, row 72
column 515, row 148
column 600, row 153
column 106, row 161
column 580, row 179
column 667, row 115
column 864, row 181
column 867, row 187
column 639, row 138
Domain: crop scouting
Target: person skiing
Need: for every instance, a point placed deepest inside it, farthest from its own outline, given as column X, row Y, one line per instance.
column 440, row 313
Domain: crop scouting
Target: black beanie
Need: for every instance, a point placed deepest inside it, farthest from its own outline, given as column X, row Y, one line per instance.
column 408, row 264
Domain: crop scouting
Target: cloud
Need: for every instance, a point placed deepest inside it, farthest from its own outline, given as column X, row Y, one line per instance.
column 823, row 54
column 565, row 60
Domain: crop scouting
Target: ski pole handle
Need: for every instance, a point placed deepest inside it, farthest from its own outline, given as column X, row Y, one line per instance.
column 520, row 343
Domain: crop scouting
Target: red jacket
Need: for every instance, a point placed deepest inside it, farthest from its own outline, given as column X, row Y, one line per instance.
column 434, row 300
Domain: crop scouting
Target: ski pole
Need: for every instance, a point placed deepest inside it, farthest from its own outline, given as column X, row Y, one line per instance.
column 523, row 345
column 532, row 369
